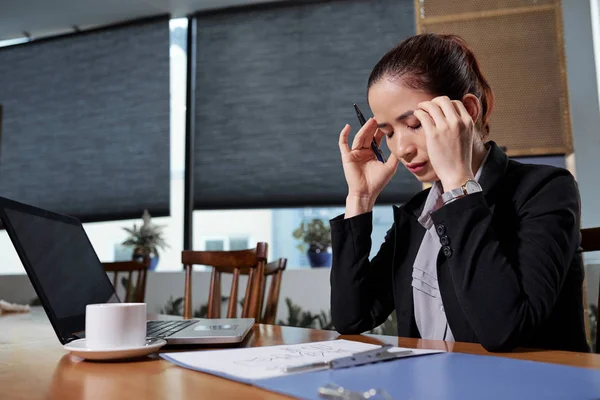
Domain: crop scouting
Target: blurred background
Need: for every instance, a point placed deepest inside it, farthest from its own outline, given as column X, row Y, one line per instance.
column 221, row 118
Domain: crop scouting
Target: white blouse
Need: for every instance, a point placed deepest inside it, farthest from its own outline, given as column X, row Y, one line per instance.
column 429, row 307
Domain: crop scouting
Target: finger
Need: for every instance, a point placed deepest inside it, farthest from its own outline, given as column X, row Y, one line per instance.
column 435, row 112
column 365, row 135
column 392, row 162
column 425, row 119
column 363, row 138
column 378, row 137
column 447, row 108
column 343, row 142
column 462, row 111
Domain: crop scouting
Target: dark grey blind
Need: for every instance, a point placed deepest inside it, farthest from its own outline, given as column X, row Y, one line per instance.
column 275, row 85
column 86, row 122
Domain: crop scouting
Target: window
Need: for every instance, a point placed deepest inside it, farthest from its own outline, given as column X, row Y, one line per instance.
column 213, row 230
column 238, row 243
column 241, row 229
column 225, row 243
column 106, row 237
column 214, row 245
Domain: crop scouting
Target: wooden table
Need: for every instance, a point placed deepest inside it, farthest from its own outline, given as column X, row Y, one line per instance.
column 33, row 365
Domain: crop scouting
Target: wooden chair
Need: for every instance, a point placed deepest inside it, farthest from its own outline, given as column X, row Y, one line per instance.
column 137, row 293
column 275, row 270
column 590, row 241
column 240, row 262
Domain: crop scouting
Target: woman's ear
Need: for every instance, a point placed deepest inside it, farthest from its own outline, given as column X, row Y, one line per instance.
column 473, row 106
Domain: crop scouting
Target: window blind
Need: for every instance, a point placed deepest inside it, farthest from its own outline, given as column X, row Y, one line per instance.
column 274, row 87
column 86, row 122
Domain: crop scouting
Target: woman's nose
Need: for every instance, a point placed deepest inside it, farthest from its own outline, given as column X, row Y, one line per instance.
column 406, row 148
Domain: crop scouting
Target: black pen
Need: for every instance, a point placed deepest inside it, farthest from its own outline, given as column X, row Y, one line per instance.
column 376, row 149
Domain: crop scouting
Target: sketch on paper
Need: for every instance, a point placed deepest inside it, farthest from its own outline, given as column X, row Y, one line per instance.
column 269, row 362
column 284, row 356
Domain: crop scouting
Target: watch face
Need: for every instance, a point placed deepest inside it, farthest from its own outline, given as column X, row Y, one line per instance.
column 472, row 187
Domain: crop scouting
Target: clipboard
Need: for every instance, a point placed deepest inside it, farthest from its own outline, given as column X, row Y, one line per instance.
column 423, row 375
column 449, row 376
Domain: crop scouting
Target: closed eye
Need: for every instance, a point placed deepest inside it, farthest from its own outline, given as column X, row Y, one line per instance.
column 412, row 128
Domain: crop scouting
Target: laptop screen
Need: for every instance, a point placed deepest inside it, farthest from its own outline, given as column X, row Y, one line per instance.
column 60, row 262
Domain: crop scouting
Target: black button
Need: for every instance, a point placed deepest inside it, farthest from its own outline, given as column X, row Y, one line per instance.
column 440, row 229
column 447, row 251
column 445, row 240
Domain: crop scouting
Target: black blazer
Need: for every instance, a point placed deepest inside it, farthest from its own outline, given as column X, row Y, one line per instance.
column 510, row 276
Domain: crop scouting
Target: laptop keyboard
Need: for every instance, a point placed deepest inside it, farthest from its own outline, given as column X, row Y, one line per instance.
column 162, row 329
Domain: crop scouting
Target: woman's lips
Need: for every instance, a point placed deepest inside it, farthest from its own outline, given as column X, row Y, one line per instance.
column 416, row 167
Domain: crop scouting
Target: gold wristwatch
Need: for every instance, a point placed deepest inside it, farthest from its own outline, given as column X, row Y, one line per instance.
column 470, row 186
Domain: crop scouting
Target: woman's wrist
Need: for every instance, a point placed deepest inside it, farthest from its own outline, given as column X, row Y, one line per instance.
column 358, row 204
column 456, row 181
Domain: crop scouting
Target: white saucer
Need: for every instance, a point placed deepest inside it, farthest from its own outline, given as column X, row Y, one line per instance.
column 77, row 348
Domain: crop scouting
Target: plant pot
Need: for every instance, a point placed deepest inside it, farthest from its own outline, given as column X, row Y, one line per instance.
column 153, row 263
column 139, row 254
column 319, row 259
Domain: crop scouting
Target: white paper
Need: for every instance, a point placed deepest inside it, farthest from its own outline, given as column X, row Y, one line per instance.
column 13, row 307
column 269, row 362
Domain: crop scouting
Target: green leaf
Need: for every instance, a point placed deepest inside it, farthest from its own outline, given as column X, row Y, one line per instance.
column 315, row 233
column 149, row 237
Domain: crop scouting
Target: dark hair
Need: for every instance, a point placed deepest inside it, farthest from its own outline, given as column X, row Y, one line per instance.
column 442, row 65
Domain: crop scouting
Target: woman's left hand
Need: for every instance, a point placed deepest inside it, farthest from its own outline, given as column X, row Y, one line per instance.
column 448, row 129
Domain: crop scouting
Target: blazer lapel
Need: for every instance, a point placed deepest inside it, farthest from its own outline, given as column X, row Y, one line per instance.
column 493, row 171
column 409, row 235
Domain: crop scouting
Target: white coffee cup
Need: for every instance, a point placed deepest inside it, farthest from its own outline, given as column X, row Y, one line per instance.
column 115, row 325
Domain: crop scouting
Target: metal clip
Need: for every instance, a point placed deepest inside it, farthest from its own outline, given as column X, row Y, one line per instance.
column 368, row 357
column 333, row 391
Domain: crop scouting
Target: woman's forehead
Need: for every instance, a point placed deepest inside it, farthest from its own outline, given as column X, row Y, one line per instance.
column 391, row 96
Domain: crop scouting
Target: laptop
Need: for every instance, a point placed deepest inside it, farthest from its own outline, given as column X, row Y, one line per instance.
column 67, row 275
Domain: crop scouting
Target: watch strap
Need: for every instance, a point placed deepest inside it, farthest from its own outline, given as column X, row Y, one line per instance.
column 453, row 194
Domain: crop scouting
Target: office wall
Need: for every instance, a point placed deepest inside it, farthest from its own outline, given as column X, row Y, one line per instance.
column 308, row 288
column 583, row 96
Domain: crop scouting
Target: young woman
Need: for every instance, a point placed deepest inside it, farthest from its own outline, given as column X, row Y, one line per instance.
column 488, row 253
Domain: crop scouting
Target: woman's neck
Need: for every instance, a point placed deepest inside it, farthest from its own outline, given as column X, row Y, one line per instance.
column 479, row 153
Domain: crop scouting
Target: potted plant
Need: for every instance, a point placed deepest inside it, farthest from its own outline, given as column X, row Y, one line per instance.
column 317, row 235
column 146, row 240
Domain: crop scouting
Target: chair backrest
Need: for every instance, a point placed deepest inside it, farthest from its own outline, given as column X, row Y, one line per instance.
column 275, row 270
column 240, row 262
column 134, row 292
column 590, row 241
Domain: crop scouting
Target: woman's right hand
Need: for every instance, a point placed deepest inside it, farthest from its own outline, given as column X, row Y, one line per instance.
column 365, row 175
